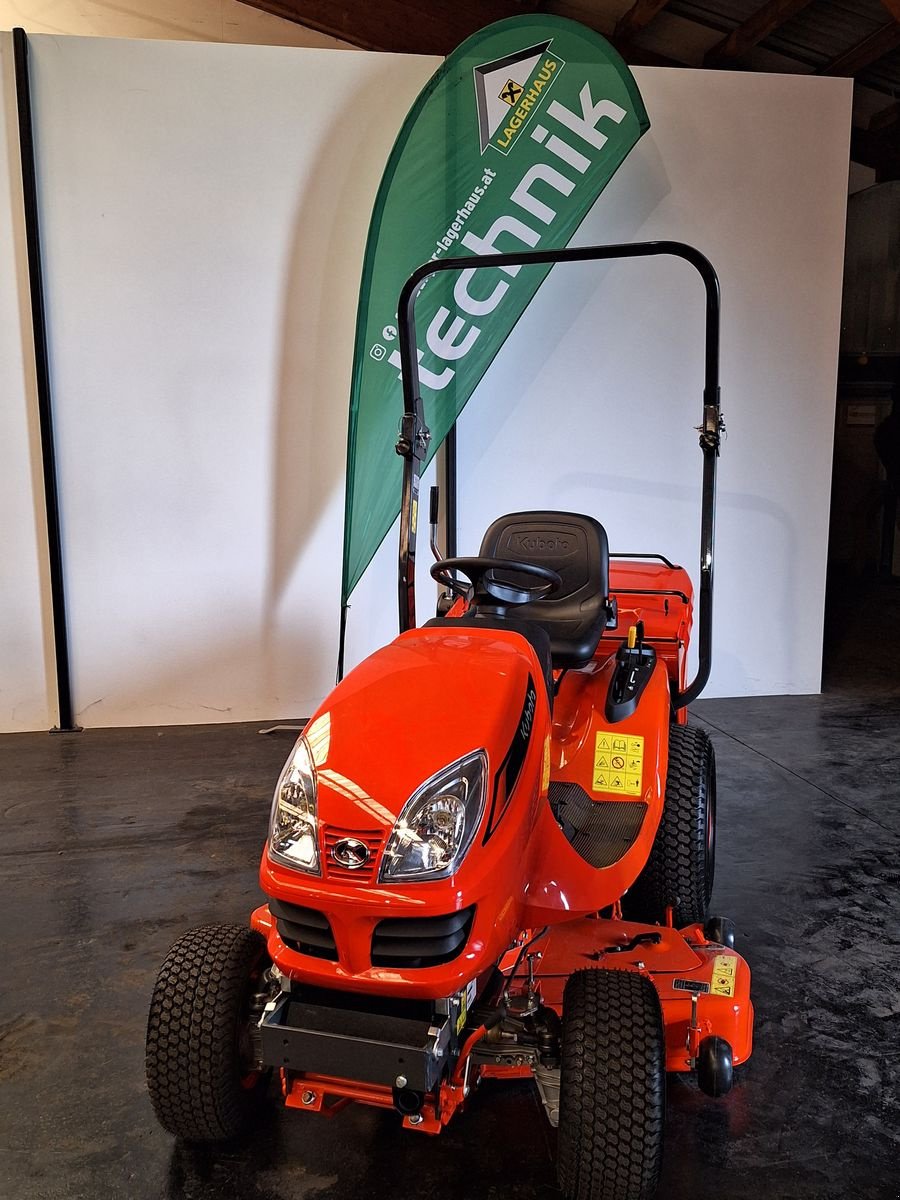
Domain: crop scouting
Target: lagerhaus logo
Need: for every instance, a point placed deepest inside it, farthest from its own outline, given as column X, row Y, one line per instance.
column 509, row 90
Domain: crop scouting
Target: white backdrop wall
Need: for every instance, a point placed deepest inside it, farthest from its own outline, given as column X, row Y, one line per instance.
column 753, row 171
column 204, row 212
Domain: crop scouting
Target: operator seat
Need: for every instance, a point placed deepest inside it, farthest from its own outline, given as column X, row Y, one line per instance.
column 576, row 547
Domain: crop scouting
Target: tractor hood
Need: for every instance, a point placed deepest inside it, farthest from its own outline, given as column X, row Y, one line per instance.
column 420, row 704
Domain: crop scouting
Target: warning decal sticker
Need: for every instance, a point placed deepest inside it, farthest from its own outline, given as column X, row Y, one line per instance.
column 618, row 764
column 699, row 986
column 723, row 975
column 466, row 996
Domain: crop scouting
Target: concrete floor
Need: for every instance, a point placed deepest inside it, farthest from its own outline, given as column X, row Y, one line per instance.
column 115, row 841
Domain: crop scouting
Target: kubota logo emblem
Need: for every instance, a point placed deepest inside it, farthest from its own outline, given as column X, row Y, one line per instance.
column 535, row 543
column 350, row 853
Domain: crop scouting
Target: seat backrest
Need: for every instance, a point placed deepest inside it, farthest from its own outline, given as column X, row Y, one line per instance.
column 576, row 547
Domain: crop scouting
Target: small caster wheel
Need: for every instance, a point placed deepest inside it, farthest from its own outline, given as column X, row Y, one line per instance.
column 715, row 1068
column 721, row 930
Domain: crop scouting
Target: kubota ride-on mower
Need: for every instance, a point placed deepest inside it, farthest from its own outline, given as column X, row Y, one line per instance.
column 490, row 852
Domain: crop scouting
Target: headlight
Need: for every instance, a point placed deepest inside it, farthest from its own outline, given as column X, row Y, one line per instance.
column 438, row 823
column 293, row 826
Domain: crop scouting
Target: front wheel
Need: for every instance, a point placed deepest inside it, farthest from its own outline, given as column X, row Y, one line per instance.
column 612, row 1087
column 679, row 872
column 203, row 1082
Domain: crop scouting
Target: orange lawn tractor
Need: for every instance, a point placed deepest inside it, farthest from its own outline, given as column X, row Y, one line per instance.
column 491, row 851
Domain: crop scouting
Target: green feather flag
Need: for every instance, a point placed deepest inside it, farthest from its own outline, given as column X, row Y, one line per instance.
column 506, row 148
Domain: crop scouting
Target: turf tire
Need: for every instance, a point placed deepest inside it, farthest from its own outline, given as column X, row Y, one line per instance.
column 612, row 1087
column 681, row 866
column 199, row 1087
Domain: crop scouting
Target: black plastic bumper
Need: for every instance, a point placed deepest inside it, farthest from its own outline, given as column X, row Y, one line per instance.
column 347, row 1043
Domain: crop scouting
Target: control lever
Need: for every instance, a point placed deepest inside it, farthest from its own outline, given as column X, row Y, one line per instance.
column 640, row 939
column 433, row 504
column 634, row 667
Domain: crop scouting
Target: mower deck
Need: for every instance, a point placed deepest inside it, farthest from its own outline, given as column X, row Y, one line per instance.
column 704, row 988
column 392, row 1056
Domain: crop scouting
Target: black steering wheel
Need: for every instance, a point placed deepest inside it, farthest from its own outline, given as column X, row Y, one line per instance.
column 481, row 573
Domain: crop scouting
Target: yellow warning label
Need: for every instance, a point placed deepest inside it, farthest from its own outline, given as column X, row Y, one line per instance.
column 415, row 515
column 723, row 972
column 618, row 764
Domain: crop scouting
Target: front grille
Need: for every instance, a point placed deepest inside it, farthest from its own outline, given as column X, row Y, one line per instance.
column 372, row 840
column 420, row 941
column 304, row 930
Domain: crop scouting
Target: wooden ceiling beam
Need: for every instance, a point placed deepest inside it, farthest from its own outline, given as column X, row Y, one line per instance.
column 638, row 56
column 864, row 53
column 754, row 30
column 637, row 17
column 401, row 26
column 408, row 27
column 635, row 56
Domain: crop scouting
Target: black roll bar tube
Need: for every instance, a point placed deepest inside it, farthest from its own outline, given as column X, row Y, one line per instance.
column 415, row 436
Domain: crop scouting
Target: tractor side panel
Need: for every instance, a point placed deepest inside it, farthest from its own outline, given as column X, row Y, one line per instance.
column 607, row 786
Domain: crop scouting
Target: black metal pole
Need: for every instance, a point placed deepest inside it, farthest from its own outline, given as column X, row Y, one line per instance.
column 412, row 446
column 42, row 379
column 414, row 422
column 449, row 490
column 342, row 639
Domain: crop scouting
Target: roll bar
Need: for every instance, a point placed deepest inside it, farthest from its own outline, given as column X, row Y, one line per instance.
column 415, row 436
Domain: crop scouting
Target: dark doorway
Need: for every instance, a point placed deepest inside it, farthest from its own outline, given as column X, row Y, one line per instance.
column 862, row 608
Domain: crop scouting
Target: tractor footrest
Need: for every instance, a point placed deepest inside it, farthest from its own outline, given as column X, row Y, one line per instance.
column 351, row 1043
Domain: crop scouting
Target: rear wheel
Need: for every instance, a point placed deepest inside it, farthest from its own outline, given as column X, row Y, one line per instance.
column 201, row 1075
column 612, row 1087
column 679, row 872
